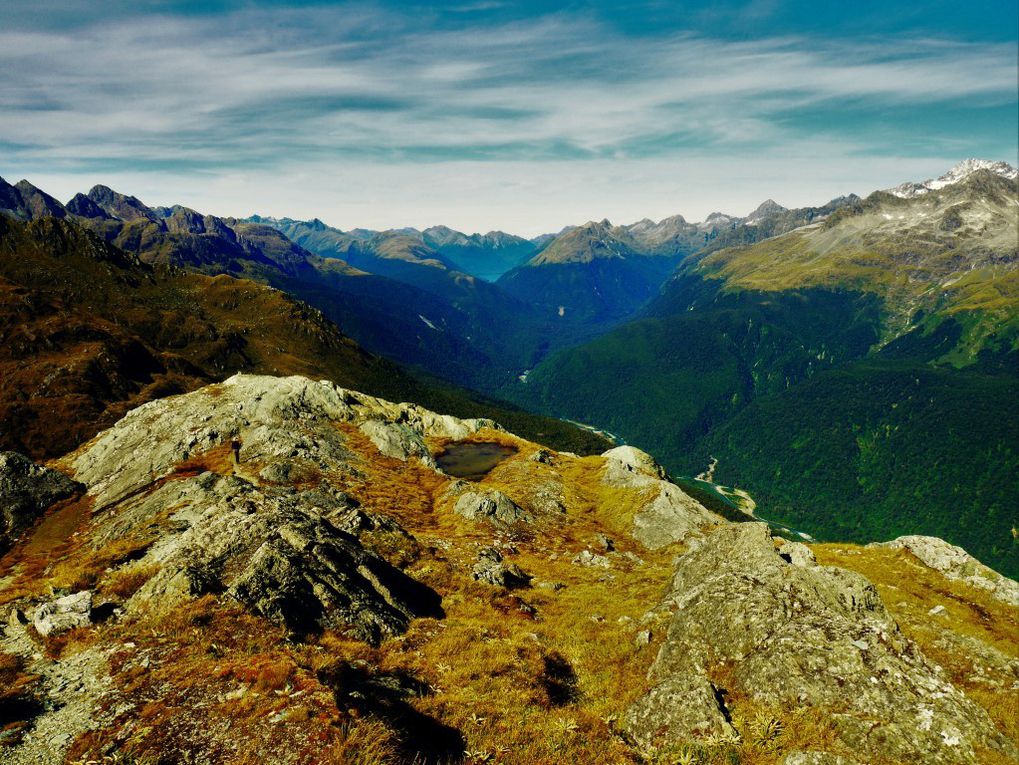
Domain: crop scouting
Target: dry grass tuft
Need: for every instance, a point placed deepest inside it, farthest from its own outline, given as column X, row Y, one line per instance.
column 126, row 581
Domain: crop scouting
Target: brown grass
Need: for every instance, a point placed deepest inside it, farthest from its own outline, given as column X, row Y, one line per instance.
column 126, row 581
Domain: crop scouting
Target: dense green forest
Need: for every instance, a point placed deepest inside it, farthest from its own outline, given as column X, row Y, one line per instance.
column 787, row 391
column 879, row 449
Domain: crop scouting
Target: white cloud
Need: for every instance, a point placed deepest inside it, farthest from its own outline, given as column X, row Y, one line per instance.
column 369, row 118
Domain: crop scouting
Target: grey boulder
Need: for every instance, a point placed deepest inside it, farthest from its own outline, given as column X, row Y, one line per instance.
column 63, row 614
column 492, row 506
column 784, row 632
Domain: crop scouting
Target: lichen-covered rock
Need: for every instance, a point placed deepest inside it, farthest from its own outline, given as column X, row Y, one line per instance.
column 398, row 441
column 629, row 466
column 26, row 491
column 63, row 614
column 491, row 569
column 671, row 516
column 276, row 419
column 788, row 633
column 282, row 553
column 955, row 563
column 491, row 505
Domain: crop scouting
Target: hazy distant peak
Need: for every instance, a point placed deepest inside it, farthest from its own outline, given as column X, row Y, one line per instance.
column 120, row 205
column 959, row 172
column 766, row 208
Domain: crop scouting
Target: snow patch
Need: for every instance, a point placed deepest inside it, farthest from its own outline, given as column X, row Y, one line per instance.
column 958, row 173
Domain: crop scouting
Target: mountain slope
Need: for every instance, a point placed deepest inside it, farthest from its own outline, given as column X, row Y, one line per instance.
column 881, row 448
column 344, row 601
column 746, row 343
column 453, row 327
column 487, row 256
column 594, row 274
column 951, row 252
column 90, row 331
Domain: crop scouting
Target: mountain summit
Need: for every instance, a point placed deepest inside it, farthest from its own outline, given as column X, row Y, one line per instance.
column 958, row 173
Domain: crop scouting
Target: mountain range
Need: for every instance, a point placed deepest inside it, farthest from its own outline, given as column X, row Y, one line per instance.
column 856, row 374
column 696, row 340
column 250, row 513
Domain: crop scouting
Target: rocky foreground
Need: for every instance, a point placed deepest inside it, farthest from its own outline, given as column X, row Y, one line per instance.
column 276, row 570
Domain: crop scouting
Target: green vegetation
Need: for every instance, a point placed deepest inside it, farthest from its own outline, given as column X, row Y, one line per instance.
column 783, row 388
column 878, row 449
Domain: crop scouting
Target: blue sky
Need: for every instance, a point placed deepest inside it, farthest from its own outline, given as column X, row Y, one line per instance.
column 484, row 114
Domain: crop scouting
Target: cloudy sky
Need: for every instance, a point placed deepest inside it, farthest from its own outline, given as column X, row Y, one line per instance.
column 483, row 114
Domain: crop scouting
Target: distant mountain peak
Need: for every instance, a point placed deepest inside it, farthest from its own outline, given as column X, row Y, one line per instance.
column 766, row 208
column 959, row 172
column 25, row 201
column 121, row 205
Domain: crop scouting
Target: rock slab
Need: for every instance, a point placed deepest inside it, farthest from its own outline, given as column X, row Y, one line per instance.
column 785, row 632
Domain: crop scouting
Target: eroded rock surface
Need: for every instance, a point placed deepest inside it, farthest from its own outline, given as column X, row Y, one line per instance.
column 797, row 634
column 277, row 420
column 26, row 491
column 282, row 553
column 955, row 563
column 491, row 505
column 670, row 515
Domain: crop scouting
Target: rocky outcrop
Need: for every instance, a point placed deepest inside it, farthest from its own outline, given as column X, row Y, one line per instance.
column 629, row 466
column 955, row 563
column 63, row 614
column 670, row 515
column 26, row 491
column 281, row 553
column 276, row 419
column 754, row 620
column 492, row 569
column 492, row 506
column 397, row 441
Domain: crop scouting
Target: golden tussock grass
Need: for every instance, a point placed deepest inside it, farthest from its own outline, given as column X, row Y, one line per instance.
column 523, row 687
column 126, row 581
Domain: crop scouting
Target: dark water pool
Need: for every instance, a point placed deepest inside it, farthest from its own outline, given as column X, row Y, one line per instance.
column 472, row 460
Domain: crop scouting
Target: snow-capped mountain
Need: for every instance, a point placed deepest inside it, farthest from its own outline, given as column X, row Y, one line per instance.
column 959, row 172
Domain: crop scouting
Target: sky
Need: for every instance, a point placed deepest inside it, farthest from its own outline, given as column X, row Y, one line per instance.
column 483, row 114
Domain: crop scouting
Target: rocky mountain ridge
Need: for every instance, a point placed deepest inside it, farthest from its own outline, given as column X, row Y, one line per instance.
column 832, row 366
column 293, row 543
column 958, row 173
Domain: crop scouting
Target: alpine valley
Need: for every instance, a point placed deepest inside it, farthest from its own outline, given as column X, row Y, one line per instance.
column 276, row 492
